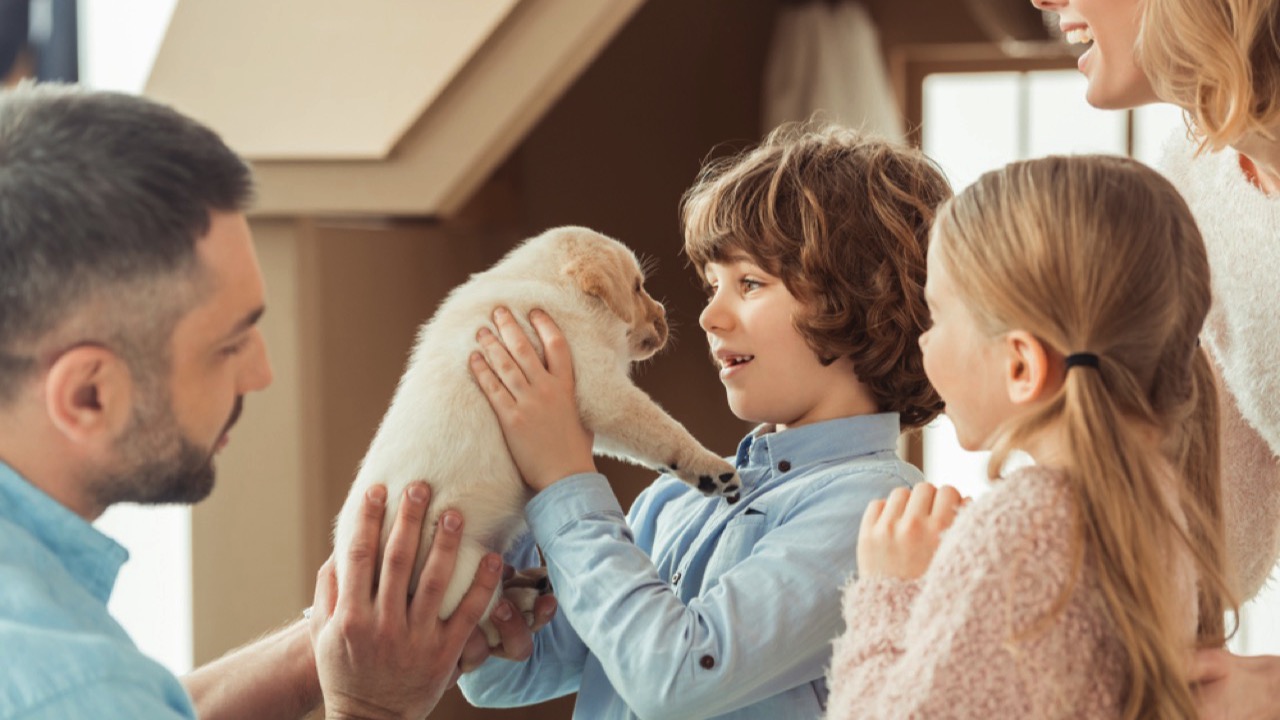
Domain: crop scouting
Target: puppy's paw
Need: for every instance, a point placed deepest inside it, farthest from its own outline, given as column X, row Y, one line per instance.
column 710, row 474
column 524, row 588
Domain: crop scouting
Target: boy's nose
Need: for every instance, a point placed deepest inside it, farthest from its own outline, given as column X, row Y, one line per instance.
column 1049, row 5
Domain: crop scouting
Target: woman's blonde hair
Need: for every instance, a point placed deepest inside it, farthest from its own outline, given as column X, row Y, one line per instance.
column 1100, row 254
column 1218, row 59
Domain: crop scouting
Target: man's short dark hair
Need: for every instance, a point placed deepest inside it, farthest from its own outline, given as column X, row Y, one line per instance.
column 103, row 197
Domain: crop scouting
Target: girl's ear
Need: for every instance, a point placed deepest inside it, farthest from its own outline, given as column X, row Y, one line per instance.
column 1032, row 371
column 89, row 392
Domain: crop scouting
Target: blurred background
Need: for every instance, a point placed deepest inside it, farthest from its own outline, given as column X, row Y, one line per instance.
column 401, row 145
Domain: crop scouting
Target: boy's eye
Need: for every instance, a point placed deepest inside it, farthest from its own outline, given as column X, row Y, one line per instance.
column 749, row 284
column 235, row 348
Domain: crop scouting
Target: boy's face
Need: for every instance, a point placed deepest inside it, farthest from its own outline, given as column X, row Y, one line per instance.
column 770, row 373
column 964, row 363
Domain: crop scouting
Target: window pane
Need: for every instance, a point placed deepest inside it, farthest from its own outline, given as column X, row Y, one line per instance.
column 970, row 123
column 1153, row 126
column 1060, row 122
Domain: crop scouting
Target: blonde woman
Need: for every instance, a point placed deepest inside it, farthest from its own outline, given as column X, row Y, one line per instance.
column 1066, row 297
column 1220, row 61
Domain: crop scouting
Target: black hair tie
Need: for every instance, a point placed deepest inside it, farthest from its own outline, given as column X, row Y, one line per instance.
column 1084, row 359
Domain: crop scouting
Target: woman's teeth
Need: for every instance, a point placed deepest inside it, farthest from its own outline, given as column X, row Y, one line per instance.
column 1080, row 36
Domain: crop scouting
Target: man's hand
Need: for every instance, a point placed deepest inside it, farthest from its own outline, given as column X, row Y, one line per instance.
column 535, row 403
column 1232, row 687
column 379, row 653
column 900, row 535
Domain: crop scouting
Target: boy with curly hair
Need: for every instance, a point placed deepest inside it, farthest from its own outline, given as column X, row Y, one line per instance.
column 812, row 247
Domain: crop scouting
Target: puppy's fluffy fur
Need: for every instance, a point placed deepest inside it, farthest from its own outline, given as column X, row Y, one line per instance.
column 440, row 427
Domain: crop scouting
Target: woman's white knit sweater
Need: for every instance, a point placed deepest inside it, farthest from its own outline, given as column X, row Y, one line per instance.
column 1241, row 228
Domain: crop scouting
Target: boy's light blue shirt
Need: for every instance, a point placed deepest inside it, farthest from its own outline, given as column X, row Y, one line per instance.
column 694, row 608
column 62, row 655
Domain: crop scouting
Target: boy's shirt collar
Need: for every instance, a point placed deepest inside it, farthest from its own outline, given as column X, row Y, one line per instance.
column 808, row 445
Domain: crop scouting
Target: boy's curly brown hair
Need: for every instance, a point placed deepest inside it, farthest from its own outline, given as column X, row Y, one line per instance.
column 843, row 219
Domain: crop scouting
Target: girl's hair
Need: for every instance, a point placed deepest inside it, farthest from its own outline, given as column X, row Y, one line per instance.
column 1100, row 254
column 1219, row 59
column 843, row 220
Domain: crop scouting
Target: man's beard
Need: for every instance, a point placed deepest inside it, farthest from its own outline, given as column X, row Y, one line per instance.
column 158, row 463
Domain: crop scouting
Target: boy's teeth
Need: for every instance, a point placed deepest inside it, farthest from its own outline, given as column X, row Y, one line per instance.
column 1080, row 36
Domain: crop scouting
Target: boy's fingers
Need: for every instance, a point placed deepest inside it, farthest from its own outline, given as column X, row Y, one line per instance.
column 402, row 550
column 544, row 609
column 500, row 360
column 326, row 593
column 946, row 502
column 438, row 571
column 517, row 342
column 556, row 348
column 517, row 638
column 497, row 393
column 362, row 555
column 474, row 652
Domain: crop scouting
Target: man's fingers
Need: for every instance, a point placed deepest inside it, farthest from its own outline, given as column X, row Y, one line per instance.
column 438, row 570
column 556, row 348
column 325, row 596
column 474, row 652
column 402, row 550
column 362, row 556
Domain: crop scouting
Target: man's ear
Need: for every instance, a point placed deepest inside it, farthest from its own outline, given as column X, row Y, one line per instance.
column 89, row 393
column 592, row 276
column 1031, row 371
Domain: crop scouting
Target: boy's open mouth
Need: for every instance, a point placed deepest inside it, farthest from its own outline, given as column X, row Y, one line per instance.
column 735, row 360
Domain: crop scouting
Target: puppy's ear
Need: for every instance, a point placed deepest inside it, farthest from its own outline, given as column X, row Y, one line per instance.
column 601, row 277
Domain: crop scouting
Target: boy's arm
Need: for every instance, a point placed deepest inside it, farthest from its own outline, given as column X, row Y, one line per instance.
column 764, row 628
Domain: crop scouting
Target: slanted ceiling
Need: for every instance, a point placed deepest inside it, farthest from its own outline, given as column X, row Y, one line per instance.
column 395, row 107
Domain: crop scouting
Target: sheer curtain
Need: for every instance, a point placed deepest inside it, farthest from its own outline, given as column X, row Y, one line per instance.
column 824, row 58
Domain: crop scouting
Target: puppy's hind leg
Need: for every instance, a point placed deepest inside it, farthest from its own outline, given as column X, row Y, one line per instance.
column 470, row 553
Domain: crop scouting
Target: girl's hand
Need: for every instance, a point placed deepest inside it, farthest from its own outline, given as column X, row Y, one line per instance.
column 900, row 535
column 535, row 403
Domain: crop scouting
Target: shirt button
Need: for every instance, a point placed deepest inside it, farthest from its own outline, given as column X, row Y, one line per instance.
column 675, row 579
column 784, row 466
column 707, row 662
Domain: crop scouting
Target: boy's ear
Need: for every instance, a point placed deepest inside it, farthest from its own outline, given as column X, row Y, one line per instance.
column 89, row 393
column 1030, row 369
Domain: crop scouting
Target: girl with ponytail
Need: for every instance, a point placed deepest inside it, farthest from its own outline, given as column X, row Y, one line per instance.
column 1066, row 296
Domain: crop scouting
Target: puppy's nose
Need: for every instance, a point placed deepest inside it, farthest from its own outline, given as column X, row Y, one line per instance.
column 660, row 328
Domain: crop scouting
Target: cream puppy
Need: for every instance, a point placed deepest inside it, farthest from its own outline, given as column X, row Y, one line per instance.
column 441, row 429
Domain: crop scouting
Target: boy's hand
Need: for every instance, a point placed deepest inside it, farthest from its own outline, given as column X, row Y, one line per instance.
column 380, row 653
column 1232, row 687
column 535, row 403
column 900, row 535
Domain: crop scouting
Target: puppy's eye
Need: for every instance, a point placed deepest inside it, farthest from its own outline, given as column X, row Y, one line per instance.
column 637, row 285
